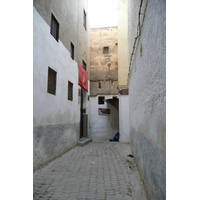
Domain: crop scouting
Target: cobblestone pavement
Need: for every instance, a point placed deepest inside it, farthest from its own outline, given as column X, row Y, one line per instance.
column 97, row 171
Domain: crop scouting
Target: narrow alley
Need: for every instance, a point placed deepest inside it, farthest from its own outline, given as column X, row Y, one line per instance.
column 94, row 80
column 83, row 100
column 99, row 170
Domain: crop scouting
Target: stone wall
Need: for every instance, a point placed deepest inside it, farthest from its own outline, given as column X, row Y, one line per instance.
column 104, row 90
column 147, row 92
column 103, row 79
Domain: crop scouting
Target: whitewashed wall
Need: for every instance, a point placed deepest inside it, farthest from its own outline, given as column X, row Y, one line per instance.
column 147, row 96
column 102, row 126
column 55, row 118
column 124, row 119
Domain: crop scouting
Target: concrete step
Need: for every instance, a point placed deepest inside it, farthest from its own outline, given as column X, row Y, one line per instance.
column 84, row 141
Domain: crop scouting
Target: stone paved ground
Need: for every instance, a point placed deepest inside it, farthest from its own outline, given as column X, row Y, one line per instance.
column 97, row 171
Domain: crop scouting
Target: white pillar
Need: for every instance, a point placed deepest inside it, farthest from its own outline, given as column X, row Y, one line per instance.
column 124, row 119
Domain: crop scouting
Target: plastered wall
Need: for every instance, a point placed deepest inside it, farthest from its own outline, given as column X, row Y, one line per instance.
column 102, row 126
column 124, row 119
column 69, row 14
column 147, row 94
column 56, row 120
column 123, row 69
column 122, row 44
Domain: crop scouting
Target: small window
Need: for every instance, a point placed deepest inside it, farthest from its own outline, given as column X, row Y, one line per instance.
column 101, row 100
column 105, row 50
column 99, row 84
column 84, row 19
column 84, row 65
column 70, row 91
column 72, row 51
column 51, row 81
column 104, row 111
column 54, row 28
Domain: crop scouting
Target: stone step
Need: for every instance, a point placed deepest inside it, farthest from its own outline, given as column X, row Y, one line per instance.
column 84, row 141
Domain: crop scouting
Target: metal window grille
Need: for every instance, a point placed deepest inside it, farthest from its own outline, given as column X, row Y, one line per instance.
column 54, row 27
column 106, row 50
column 84, row 65
column 70, row 91
column 84, row 19
column 101, row 100
column 51, row 81
column 72, row 51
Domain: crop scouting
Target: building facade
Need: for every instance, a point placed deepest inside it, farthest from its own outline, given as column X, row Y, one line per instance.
column 60, row 42
column 123, row 69
column 147, row 91
column 104, row 115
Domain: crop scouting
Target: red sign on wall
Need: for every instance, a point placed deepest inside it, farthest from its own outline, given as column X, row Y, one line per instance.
column 83, row 77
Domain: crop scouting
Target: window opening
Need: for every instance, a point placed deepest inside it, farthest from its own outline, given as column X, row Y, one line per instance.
column 101, row 100
column 51, row 81
column 72, row 51
column 70, row 91
column 84, row 65
column 54, row 27
column 105, row 50
column 84, row 19
column 103, row 111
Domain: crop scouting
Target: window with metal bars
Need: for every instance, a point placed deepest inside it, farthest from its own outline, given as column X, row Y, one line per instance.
column 54, row 27
column 84, row 19
column 72, row 51
column 70, row 91
column 101, row 100
column 51, row 81
column 105, row 50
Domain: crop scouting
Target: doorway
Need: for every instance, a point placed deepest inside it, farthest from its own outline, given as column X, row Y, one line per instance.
column 81, row 111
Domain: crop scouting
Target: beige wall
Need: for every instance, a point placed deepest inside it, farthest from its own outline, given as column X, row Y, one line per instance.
column 99, row 71
column 123, row 66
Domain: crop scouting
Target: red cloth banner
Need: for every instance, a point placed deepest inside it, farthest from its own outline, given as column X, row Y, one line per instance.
column 83, row 77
